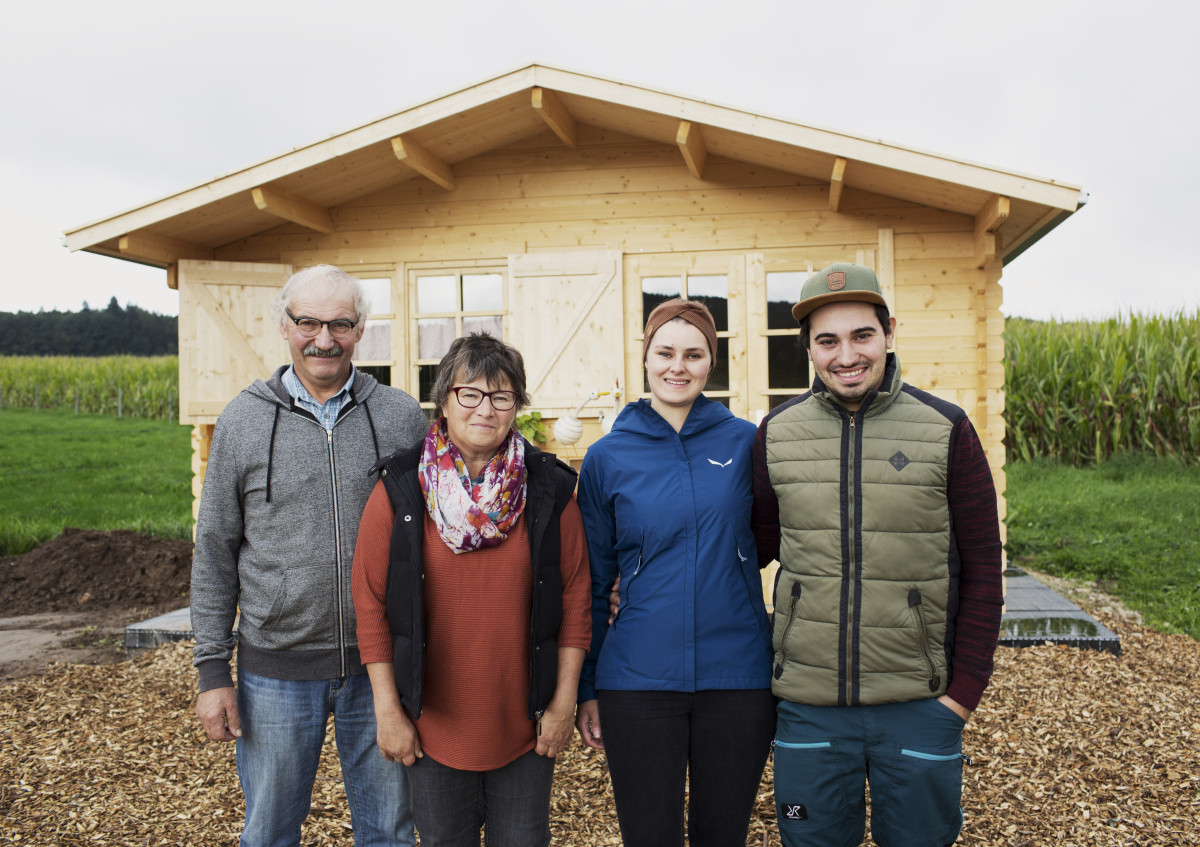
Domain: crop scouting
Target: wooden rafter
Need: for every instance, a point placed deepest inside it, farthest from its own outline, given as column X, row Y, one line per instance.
column 423, row 162
column 551, row 110
column 994, row 213
column 836, row 184
column 292, row 207
column 160, row 249
column 692, row 146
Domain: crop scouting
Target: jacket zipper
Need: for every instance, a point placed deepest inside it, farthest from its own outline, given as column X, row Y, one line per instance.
column 914, row 606
column 337, row 545
column 851, row 611
column 788, row 628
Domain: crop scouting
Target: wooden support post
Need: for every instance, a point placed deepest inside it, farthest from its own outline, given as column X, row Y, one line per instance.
column 160, row 249
column 551, row 110
column 692, row 146
column 292, row 207
column 987, row 221
column 836, row 184
column 423, row 162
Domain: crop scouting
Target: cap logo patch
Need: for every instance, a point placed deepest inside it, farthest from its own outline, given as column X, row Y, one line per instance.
column 836, row 280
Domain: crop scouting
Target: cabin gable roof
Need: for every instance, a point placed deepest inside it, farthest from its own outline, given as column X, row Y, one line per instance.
column 426, row 141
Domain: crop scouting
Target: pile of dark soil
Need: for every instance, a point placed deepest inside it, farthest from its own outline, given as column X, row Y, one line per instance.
column 86, row 570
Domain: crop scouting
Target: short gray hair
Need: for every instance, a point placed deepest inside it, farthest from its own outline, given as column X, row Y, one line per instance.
column 331, row 277
column 480, row 355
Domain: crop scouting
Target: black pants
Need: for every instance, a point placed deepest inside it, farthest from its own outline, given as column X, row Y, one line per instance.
column 658, row 740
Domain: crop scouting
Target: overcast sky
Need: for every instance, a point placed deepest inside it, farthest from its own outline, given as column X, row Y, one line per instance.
column 106, row 106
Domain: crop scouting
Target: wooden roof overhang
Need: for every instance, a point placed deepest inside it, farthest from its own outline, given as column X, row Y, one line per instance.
column 1011, row 210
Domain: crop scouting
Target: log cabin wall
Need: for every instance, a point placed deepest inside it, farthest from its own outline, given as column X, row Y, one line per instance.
column 745, row 232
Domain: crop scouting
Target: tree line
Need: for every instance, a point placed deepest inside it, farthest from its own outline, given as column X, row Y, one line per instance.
column 110, row 331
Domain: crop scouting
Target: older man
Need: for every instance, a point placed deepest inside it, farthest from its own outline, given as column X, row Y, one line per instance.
column 877, row 499
column 286, row 483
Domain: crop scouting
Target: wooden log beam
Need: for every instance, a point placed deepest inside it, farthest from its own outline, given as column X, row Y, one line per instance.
column 692, row 146
column 160, row 249
column 292, row 207
column 987, row 220
column 836, row 183
column 423, row 162
column 551, row 110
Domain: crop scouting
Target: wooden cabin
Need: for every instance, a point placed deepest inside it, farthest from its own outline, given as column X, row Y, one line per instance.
column 558, row 208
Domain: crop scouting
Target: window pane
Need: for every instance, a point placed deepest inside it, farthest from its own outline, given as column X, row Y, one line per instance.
column 376, row 343
column 434, row 336
column 426, row 376
column 713, row 292
column 783, row 290
column 382, row 373
column 493, row 325
column 658, row 289
column 482, row 292
column 787, row 362
column 379, row 292
column 437, row 294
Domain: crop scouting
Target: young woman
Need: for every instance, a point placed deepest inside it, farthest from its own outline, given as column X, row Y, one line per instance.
column 677, row 687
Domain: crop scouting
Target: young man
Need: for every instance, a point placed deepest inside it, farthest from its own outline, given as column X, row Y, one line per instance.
column 878, row 502
column 286, row 483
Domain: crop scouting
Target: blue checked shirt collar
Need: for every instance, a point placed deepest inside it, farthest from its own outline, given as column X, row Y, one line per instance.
column 326, row 413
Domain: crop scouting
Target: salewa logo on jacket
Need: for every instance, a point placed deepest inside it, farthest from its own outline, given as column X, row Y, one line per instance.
column 721, row 464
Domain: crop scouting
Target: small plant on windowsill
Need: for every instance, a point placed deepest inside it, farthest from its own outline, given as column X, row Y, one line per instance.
column 530, row 425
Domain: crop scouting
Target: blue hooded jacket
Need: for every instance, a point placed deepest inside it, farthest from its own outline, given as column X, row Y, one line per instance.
column 670, row 512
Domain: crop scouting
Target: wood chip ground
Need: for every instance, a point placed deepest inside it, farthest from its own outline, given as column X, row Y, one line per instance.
column 1070, row 747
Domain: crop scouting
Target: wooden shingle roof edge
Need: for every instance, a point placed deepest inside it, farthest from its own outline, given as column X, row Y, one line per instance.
column 429, row 138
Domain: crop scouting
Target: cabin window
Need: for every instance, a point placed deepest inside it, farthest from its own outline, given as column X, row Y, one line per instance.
column 787, row 361
column 449, row 304
column 713, row 291
column 373, row 353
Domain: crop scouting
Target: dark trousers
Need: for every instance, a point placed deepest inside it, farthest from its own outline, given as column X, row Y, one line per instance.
column 510, row 804
column 657, row 741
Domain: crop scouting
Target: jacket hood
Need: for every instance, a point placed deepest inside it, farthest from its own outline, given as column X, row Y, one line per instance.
column 641, row 418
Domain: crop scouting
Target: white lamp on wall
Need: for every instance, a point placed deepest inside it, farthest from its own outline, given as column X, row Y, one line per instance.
column 569, row 429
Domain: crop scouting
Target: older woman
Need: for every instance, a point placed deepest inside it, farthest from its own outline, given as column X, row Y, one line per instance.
column 677, row 687
column 471, row 593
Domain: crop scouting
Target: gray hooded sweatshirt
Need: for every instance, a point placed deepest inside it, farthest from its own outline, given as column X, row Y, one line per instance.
column 277, row 527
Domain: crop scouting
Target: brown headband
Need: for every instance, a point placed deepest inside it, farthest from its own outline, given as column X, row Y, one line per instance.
column 692, row 311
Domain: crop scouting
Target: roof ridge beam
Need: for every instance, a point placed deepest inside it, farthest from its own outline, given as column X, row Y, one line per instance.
column 556, row 115
column 423, row 162
column 292, row 207
column 837, row 183
column 159, row 249
column 987, row 220
column 691, row 144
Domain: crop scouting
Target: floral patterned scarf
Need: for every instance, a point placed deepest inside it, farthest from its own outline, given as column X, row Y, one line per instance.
column 470, row 514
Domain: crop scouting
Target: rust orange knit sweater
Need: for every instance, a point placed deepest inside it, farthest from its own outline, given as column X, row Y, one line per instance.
column 477, row 607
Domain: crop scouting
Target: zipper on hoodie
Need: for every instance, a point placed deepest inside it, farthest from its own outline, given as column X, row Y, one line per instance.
column 337, row 547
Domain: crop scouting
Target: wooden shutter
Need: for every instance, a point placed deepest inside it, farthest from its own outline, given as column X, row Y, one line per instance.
column 227, row 338
column 565, row 316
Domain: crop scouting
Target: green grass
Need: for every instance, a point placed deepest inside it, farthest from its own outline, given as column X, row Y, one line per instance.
column 92, row 472
column 1131, row 524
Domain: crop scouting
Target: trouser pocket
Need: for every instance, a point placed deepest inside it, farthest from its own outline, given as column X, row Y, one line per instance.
column 818, row 778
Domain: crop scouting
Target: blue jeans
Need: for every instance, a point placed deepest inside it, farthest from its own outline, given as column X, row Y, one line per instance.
column 910, row 752
column 511, row 803
column 283, row 729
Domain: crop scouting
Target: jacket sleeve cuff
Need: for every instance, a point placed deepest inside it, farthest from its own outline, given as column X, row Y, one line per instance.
column 214, row 674
column 966, row 690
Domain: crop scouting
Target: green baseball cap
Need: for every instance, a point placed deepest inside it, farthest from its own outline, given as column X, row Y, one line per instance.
column 839, row 282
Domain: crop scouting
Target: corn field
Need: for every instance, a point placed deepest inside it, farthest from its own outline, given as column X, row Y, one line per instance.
column 133, row 386
column 1082, row 392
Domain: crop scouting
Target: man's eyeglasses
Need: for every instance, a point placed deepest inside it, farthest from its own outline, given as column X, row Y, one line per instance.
column 470, row 398
column 311, row 327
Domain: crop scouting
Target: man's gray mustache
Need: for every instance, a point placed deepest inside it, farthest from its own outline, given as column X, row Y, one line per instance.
column 314, row 350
